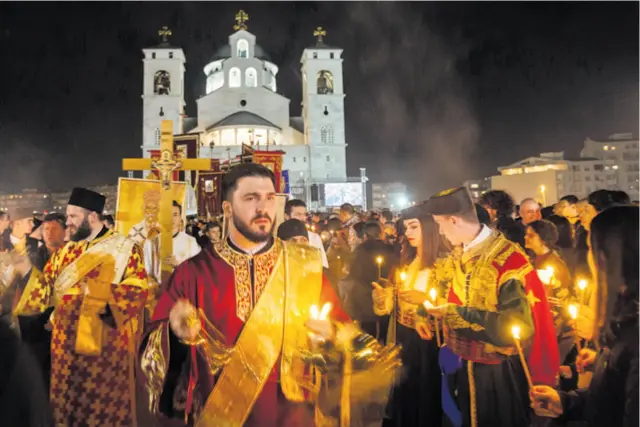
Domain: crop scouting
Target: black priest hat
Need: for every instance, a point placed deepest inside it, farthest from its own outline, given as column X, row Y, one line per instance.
column 87, row 199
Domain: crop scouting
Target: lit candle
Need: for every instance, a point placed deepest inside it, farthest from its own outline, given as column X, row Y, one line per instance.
column 515, row 330
column 433, row 294
column 403, row 277
column 573, row 312
column 582, row 285
column 379, row 262
column 546, row 275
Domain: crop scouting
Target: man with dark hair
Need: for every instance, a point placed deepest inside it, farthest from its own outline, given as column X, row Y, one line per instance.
column 348, row 218
column 297, row 209
column 108, row 221
column 248, row 287
column 213, row 231
column 97, row 286
column 53, row 231
column 293, row 230
column 386, row 216
column 493, row 288
column 500, row 206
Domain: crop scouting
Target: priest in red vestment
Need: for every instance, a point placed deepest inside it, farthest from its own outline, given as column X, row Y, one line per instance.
column 251, row 293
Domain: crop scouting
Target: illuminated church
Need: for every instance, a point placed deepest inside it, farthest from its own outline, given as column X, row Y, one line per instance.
column 241, row 105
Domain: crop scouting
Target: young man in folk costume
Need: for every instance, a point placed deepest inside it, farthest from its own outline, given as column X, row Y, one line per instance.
column 256, row 292
column 493, row 288
column 97, row 286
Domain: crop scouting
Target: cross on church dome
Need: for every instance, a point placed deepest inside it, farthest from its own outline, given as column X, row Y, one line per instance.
column 164, row 32
column 320, row 33
column 241, row 18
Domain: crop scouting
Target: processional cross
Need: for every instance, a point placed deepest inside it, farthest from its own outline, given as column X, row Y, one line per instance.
column 166, row 166
column 241, row 18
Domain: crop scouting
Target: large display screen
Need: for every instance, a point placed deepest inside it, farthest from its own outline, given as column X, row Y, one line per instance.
column 338, row 194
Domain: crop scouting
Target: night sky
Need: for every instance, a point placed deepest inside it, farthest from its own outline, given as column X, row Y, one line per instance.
column 436, row 93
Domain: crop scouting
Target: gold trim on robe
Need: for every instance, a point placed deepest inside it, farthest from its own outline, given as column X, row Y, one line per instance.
column 275, row 326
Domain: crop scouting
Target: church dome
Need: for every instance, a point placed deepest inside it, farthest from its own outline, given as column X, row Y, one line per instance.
column 225, row 52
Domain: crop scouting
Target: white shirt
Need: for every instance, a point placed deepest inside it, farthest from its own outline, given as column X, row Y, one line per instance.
column 184, row 247
column 484, row 234
column 316, row 241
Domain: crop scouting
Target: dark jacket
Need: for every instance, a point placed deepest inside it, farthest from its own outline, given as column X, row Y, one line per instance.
column 362, row 271
column 612, row 397
column 23, row 397
column 513, row 230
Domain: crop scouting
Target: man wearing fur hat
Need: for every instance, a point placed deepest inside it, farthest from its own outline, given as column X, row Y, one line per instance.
column 97, row 286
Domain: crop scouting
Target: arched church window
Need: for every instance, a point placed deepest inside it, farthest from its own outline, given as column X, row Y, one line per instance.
column 162, row 83
column 242, row 49
column 251, row 77
column 325, row 82
column 235, row 79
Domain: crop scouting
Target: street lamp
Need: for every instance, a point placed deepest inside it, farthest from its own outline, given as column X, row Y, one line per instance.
column 544, row 199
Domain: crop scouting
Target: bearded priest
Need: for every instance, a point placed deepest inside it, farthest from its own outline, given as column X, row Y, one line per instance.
column 97, row 286
column 223, row 347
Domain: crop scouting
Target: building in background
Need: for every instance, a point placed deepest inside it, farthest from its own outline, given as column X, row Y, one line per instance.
column 29, row 198
column 477, row 186
column 622, row 155
column 391, row 195
column 241, row 105
column 611, row 164
column 44, row 202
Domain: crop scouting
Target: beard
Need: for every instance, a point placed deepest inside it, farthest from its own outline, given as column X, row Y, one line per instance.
column 80, row 233
column 253, row 236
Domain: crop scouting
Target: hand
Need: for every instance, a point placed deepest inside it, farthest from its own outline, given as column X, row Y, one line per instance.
column 424, row 330
column 412, row 296
column 565, row 372
column 585, row 359
column 184, row 321
column 439, row 311
column 545, row 401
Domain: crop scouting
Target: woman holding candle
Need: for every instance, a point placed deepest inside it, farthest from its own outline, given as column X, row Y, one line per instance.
column 415, row 400
column 612, row 397
column 541, row 238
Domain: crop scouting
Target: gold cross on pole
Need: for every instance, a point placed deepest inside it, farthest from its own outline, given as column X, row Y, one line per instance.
column 241, row 18
column 166, row 166
column 165, row 32
column 319, row 33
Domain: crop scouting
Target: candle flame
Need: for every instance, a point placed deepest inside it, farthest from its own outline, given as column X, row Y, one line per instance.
column 432, row 294
column 573, row 311
column 515, row 331
column 320, row 314
column 379, row 260
column 403, row 276
column 582, row 284
column 546, row 275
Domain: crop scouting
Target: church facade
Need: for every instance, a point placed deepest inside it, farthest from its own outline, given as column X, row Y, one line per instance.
column 241, row 105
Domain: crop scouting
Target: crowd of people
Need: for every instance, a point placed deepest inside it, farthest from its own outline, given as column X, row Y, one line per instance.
column 447, row 281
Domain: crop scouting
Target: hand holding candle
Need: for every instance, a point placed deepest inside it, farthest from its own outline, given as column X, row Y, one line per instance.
column 319, row 324
column 433, row 295
column 515, row 331
column 582, row 285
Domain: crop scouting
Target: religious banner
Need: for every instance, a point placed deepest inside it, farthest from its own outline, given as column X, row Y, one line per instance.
column 209, row 194
column 138, row 204
column 285, row 182
column 273, row 161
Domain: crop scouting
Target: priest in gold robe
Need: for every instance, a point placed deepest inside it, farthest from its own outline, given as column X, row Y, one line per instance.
column 97, row 287
column 251, row 292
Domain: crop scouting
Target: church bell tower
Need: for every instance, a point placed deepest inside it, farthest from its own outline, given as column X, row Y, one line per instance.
column 323, row 110
column 163, row 91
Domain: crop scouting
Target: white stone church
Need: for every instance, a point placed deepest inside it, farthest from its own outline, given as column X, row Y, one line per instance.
column 241, row 105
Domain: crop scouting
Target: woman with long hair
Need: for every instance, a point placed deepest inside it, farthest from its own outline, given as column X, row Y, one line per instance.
column 612, row 397
column 415, row 399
